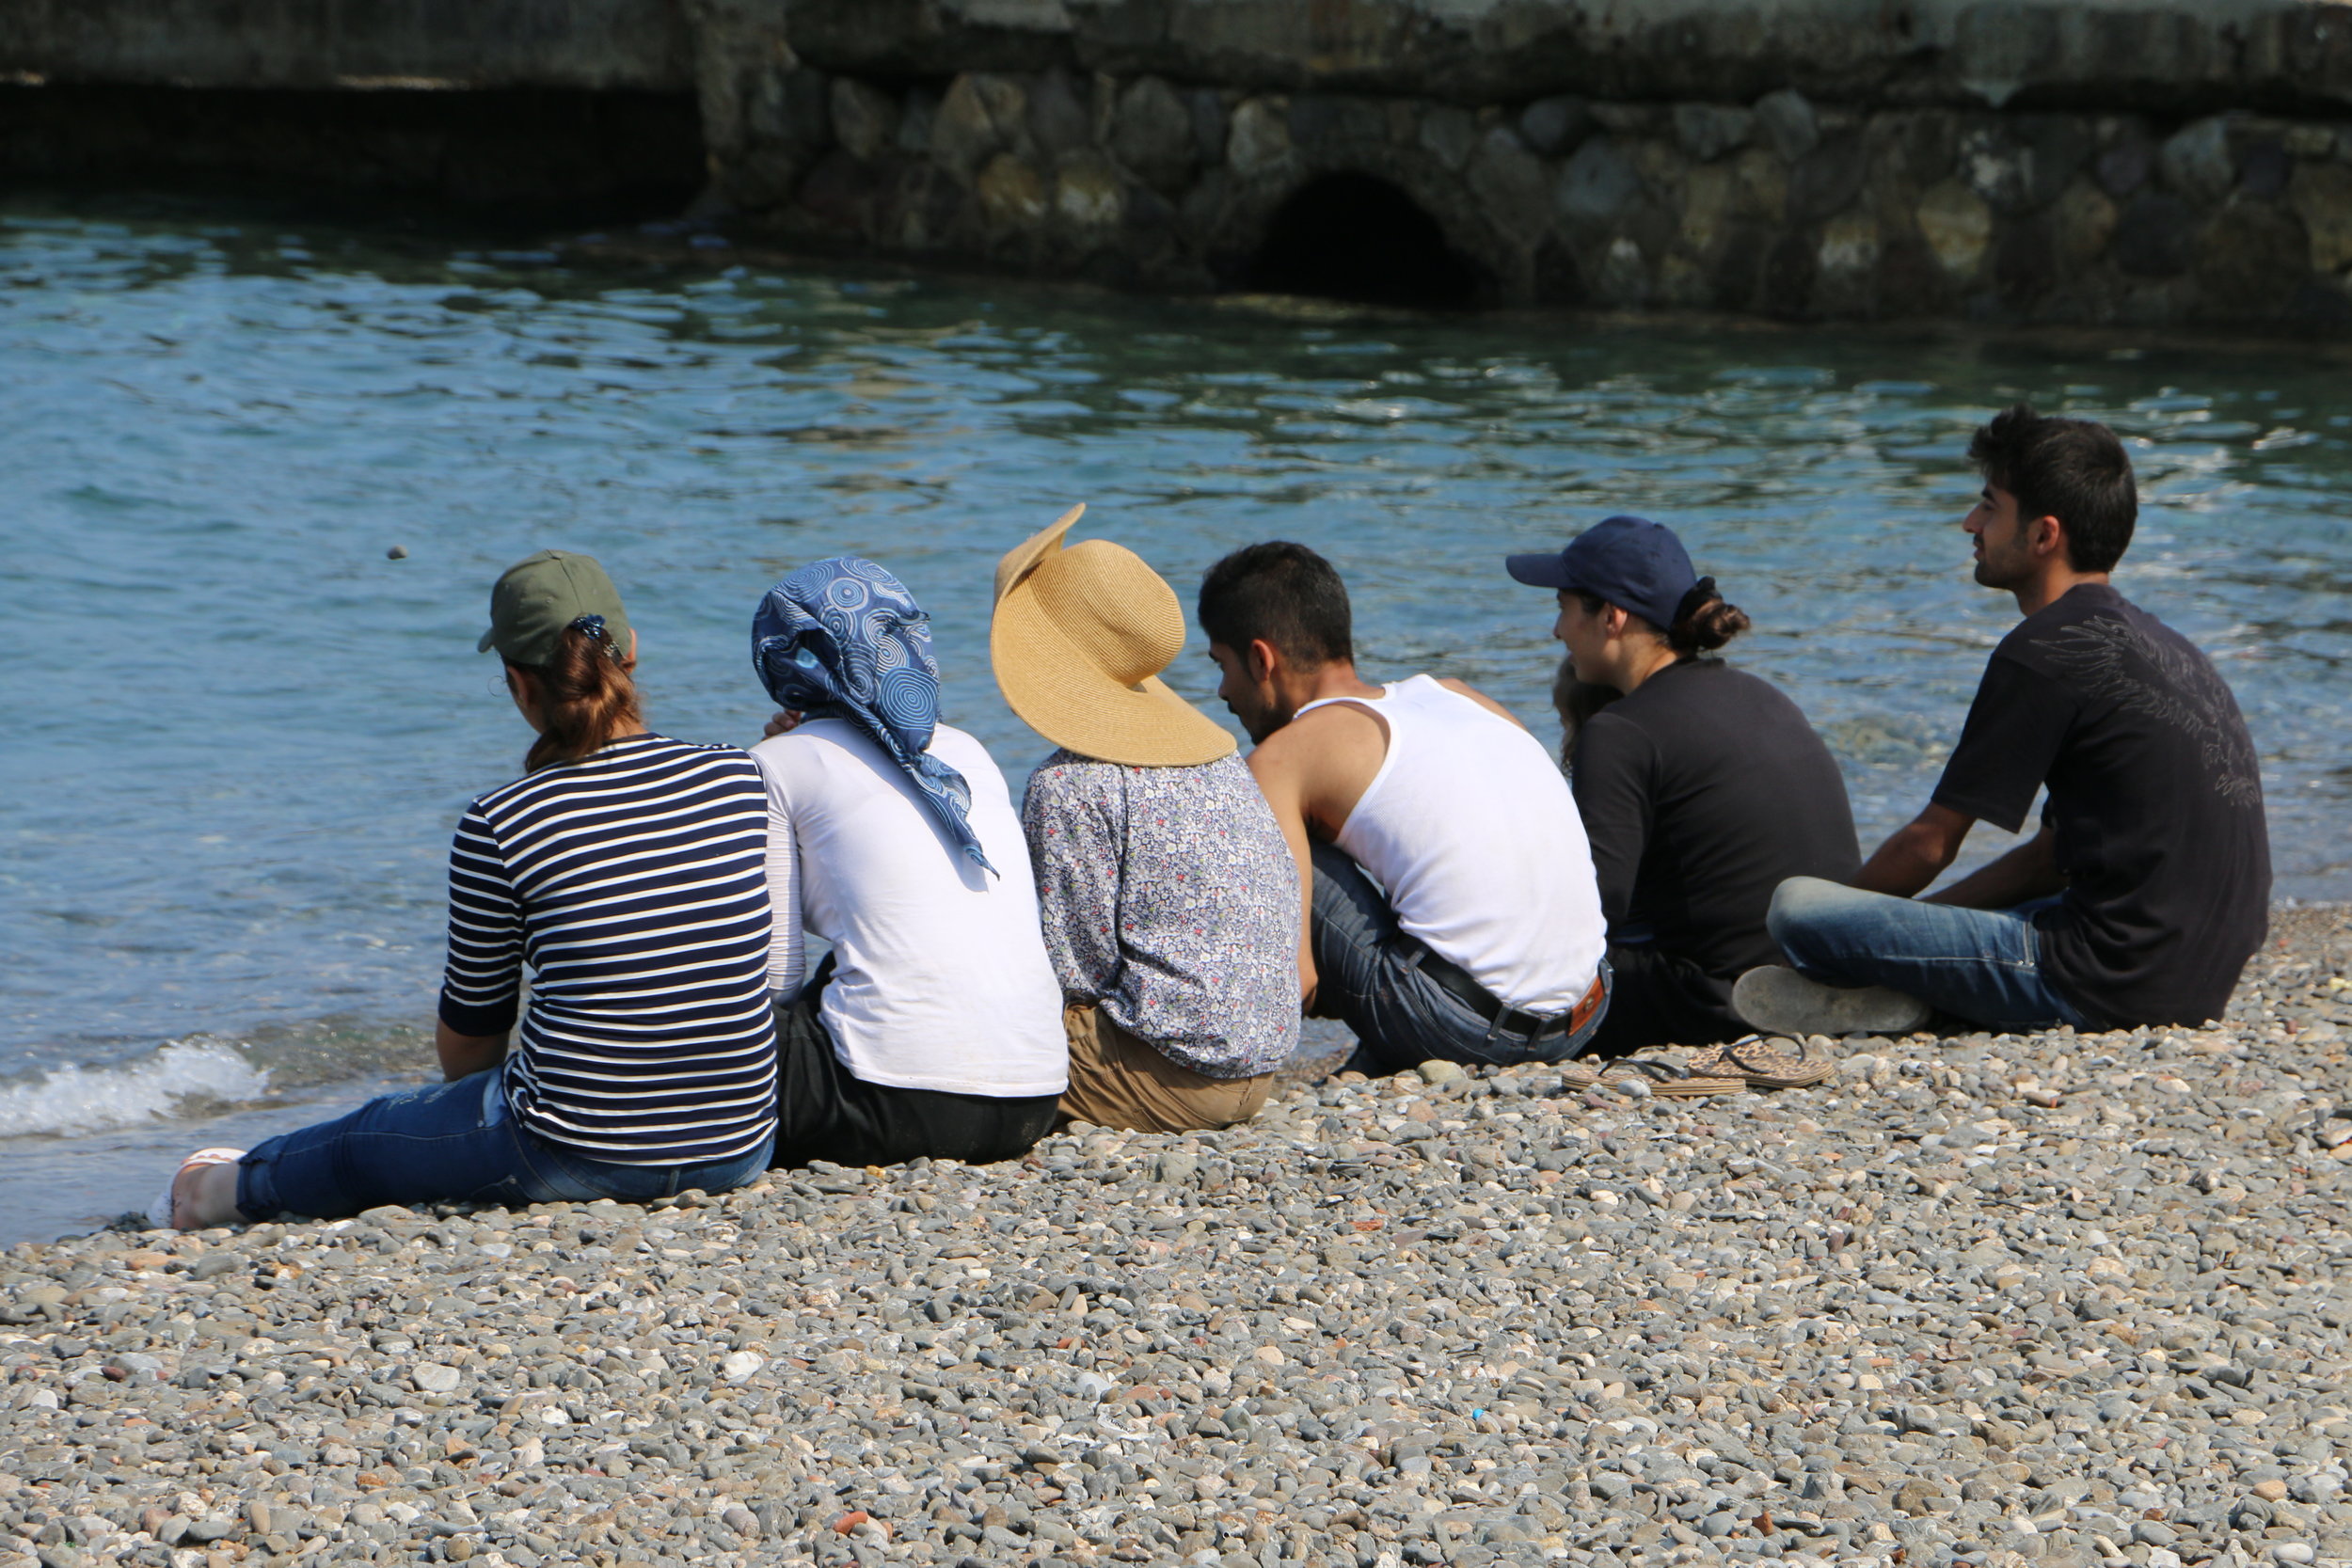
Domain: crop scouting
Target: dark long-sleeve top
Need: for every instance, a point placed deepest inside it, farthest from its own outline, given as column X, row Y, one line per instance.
column 1702, row 790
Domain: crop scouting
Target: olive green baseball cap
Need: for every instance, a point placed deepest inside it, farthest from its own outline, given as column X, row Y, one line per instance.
column 539, row 595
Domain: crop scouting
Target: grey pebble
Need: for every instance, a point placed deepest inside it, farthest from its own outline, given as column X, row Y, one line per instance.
column 432, row 1378
column 1985, row 1298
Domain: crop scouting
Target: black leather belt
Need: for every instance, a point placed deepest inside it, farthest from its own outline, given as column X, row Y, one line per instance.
column 1457, row 982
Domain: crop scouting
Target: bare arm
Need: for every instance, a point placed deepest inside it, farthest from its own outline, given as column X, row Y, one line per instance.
column 1280, row 780
column 463, row 1056
column 2028, row 871
column 1917, row 853
column 1312, row 771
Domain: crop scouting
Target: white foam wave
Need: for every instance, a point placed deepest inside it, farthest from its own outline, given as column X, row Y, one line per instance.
column 92, row 1099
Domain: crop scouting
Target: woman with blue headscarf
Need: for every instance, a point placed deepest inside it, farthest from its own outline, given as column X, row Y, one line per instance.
column 933, row 1026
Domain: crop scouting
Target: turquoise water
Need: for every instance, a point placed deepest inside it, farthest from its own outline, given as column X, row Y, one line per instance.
column 240, row 735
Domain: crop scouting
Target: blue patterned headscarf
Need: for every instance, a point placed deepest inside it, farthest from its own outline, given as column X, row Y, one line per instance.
column 843, row 639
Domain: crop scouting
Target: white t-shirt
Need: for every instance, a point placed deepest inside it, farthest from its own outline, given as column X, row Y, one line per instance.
column 942, row 980
column 1471, row 829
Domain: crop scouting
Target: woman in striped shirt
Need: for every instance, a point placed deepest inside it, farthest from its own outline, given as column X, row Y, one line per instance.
column 629, row 871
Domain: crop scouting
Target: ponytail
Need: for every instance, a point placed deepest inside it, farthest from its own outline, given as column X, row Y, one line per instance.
column 1703, row 622
column 586, row 695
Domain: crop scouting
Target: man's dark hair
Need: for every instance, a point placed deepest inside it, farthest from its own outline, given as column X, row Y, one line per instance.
column 2074, row 470
column 1282, row 593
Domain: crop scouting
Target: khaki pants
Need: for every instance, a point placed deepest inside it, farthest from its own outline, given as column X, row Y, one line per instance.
column 1118, row 1081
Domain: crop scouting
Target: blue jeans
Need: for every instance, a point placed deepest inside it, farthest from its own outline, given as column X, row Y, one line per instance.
column 1983, row 965
column 1369, row 977
column 450, row 1143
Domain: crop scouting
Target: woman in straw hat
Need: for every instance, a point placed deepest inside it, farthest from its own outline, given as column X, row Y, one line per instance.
column 1169, row 901
column 932, row 1027
column 628, row 869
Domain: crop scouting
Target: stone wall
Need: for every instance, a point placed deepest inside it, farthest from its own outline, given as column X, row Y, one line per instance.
column 1782, row 206
column 2052, row 194
column 2128, row 161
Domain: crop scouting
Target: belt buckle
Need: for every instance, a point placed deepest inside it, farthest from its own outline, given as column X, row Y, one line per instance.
column 1530, row 1027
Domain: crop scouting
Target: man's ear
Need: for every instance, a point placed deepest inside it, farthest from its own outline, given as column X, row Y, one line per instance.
column 1613, row 619
column 2049, row 537
column 1260, row 658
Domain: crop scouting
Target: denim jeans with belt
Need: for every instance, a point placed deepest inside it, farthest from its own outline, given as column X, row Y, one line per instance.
column 1369, row 976
column 1982, row 965
column 451, row 1143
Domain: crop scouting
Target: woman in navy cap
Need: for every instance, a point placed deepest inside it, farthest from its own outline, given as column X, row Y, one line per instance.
column 1701, row 786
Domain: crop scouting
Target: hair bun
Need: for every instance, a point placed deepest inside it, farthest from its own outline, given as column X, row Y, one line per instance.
column 1696, row 598
column 1703, row 622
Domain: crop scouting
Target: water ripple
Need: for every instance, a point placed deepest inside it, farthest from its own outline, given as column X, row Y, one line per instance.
column 242, row 735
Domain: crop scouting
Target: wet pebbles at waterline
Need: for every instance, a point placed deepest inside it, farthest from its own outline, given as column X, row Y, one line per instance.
column 2054, row 1299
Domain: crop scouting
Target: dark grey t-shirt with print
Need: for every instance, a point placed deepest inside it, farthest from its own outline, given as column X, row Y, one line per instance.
column 2155, row 805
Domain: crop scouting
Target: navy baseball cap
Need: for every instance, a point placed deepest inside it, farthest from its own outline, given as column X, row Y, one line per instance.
column 1629, row 562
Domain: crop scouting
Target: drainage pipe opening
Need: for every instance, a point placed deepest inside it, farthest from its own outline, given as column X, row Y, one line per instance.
column 1358, row 238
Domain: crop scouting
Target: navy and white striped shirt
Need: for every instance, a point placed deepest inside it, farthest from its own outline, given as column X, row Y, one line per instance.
column 634, row 883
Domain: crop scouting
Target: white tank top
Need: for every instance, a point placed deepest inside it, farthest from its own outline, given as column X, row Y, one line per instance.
column 1471, row 829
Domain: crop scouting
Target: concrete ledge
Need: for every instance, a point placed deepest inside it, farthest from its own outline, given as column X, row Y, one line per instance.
column 540, row 154
column 595, row 45
column 2173, row 55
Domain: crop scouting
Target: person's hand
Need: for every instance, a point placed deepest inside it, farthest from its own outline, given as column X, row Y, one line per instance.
column 785, row 722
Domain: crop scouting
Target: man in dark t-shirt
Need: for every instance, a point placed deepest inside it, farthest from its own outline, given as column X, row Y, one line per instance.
column 2147, row 886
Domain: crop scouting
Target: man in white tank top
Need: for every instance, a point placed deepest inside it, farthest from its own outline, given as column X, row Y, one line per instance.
column 1451, row 910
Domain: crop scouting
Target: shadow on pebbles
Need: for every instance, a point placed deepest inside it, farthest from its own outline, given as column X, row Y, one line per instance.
column 1998, row 1300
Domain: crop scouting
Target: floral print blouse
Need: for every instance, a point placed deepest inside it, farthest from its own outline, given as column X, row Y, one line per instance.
column 1171, row 902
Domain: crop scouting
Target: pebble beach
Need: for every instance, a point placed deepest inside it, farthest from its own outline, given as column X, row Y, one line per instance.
column 1991, row 1299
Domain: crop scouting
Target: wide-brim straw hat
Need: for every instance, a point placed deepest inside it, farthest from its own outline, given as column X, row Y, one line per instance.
column 1079, row 639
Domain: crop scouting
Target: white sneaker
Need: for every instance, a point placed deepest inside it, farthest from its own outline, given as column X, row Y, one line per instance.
column 1780, row 1001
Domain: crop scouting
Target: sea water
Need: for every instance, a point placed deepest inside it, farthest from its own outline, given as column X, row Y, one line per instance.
column 239, row 733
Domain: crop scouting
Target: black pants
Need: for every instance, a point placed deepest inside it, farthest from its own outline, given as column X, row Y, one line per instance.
column 826, row 1112
column 1663, row 1000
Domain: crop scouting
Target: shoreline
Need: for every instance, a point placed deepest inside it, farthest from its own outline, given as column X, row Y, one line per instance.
column 2046, row 1298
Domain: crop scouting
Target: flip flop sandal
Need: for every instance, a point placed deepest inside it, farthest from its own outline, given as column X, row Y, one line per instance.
column 1667, row 1078
column 1765, row 1064
column 163, row 1212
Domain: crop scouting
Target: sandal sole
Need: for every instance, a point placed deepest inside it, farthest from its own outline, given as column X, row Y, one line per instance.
column 1672, row 1088
column 1780, row 1001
